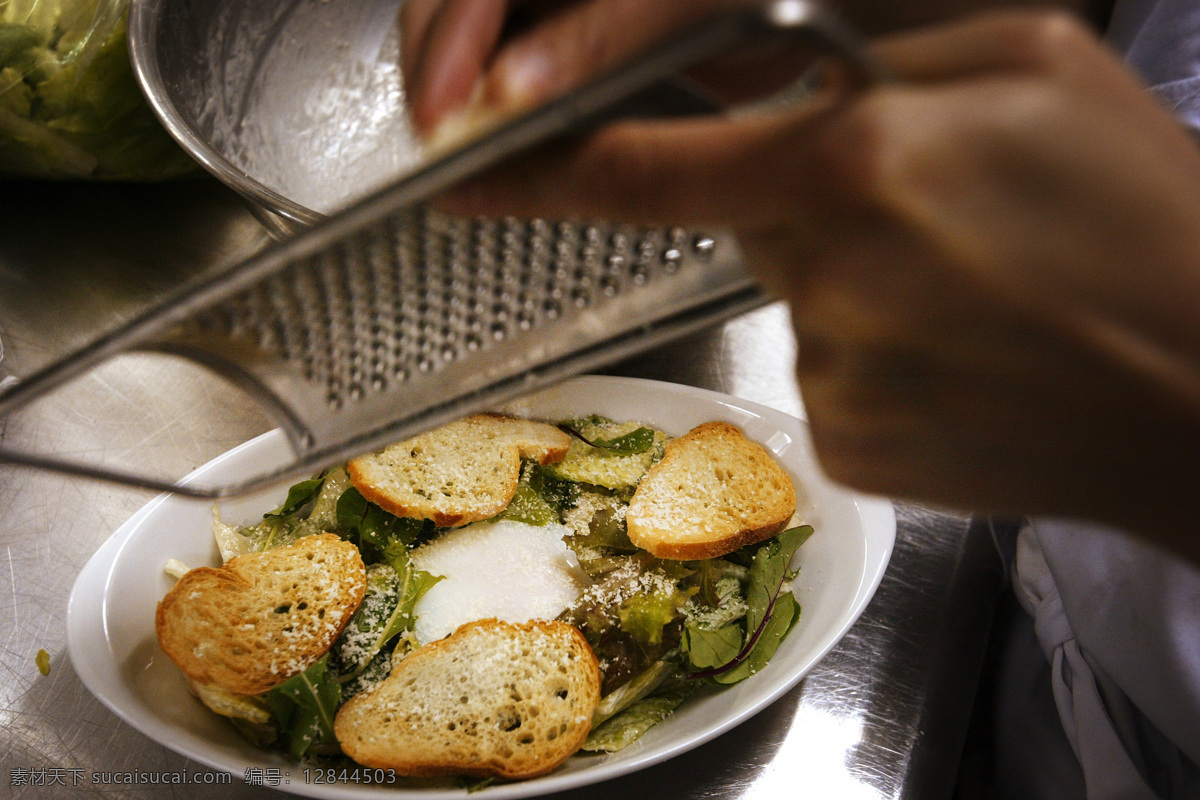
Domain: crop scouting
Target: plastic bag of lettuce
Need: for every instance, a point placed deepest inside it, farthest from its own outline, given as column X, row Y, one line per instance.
column 69, row 104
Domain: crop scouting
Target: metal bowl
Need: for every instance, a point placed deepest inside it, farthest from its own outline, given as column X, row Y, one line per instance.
column 298, row 105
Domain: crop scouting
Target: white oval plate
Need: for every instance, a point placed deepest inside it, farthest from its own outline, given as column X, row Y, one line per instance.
column 110, row 618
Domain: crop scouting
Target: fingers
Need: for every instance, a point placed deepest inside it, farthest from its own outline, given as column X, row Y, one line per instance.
column 447, row 46
column 752, row 170
column 451, row 44
column 416, row 17
column 582, row 41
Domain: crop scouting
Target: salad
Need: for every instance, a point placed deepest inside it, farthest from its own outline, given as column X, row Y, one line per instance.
column 661, row 629
column 69, row 104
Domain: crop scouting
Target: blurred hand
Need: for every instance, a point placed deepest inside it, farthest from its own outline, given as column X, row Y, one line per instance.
column 451, row 46
column 993, row 266
column 455, row 51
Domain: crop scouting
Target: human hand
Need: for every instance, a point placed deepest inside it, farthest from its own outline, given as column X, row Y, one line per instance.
column 992, row 266
column 452, row 49
column 455, row 51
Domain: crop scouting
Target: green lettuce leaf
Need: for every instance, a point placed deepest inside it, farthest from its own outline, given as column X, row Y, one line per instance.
column 608, row 454
column 606, row 532
column 79, row 112
column 633, row 690
column 636, row 441
column 644, row 615
column 528, row 505
column 629, row 725
column 559, row 493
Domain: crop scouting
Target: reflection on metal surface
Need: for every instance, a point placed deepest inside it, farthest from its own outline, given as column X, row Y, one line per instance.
column 6, row 380
column 324, row 121
column 816, row 748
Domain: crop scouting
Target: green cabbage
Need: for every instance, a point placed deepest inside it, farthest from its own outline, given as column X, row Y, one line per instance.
column 69, row 104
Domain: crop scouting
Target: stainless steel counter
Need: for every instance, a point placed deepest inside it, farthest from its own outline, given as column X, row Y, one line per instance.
column 882, row 717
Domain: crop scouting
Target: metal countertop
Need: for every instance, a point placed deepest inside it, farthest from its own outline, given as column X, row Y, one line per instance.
column 883, row 716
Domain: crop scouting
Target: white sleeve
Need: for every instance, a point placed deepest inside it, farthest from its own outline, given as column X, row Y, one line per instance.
column 1160, row 40
column 1119, row 622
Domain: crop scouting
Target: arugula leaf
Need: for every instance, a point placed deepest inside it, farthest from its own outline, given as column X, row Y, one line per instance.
column 770, row 615
column 304, row 706
column 351, row 510
column 355, row 647
column 387, row 536
column 707, row 648
column 373, row 673
column 299, row 495
column 784, row 616
column 323, row 516
column 413, row 585
column 385, row 613
column 308, row 509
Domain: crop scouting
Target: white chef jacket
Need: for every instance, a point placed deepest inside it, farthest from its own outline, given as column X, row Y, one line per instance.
column 1117, row 623
column 1160, row 40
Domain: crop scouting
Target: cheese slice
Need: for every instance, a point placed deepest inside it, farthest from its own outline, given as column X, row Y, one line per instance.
column 504, row 569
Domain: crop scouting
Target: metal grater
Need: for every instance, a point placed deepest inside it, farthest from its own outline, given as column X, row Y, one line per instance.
column 389, row 319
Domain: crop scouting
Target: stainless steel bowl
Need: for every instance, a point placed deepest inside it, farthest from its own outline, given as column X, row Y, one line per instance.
column 296, row 104
column 299, row 104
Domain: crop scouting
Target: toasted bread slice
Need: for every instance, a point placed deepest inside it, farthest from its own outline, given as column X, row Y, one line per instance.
column 459, row 473
column 493, row 699
column 713, row 492
column 251, row 624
